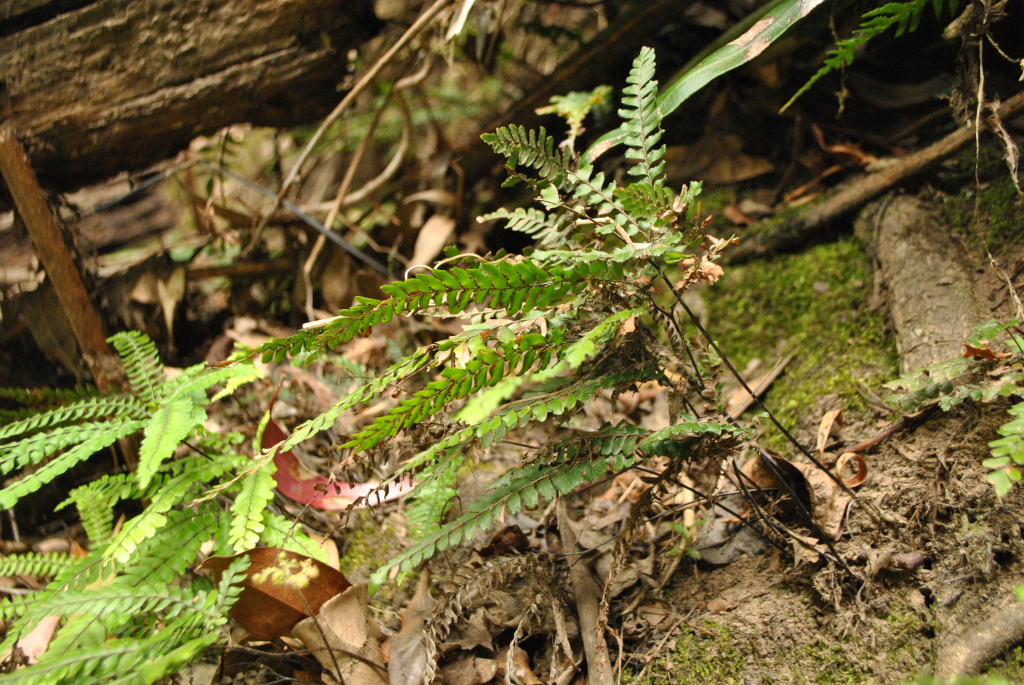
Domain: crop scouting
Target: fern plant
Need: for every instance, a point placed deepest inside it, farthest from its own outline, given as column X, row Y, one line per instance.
column 131, row 612
column 981, row 375
column 905, row 16
column 590, row 310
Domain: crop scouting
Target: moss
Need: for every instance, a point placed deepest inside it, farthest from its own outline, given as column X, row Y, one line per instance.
column 832, row 665
column 1009, row 666
column 707, row 656
column 366, row 548
column 814, row 305
column 1001, row 208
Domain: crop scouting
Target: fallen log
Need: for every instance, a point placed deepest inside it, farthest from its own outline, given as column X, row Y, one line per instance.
column 791, row 231
column 95, row 88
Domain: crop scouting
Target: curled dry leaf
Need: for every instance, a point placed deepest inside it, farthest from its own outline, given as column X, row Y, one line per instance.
column 862, row 469
column 432, row 239
column 826, row 499
column 299, row 484
column 831, row 419
column 280, row 589
column 407, row 651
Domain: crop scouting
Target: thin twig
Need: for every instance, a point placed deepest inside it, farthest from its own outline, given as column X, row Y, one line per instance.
column 365, row 80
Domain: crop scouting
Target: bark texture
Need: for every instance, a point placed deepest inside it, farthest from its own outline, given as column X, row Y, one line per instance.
column 930, row 293
column 117, row 85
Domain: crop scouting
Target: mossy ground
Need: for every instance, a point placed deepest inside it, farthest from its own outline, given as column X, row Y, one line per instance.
column 715, row 652
column 816, row 305
column 999, row 206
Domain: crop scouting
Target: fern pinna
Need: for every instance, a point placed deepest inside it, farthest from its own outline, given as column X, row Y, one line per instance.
column 548, row 332
column 131, row 611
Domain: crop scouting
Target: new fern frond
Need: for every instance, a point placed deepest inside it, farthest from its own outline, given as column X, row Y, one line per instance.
column 642, row 121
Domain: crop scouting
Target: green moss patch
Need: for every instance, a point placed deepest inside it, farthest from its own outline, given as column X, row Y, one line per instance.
column 815, row 305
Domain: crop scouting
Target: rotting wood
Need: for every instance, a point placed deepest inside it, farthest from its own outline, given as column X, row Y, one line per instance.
column 120, row 84
column 966, row 651
column 61, row 269
column 787, row 234
column 930, row 294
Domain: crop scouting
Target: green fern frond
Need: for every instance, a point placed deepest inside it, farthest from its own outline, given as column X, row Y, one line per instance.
column 32, row 564
column 170, row 424
column 525, row 490
column 905, row 16
column 487, row 368
column 100, row 436
column 141, row 363
column 647, row 201
column 12, row 608
column 280, row 532
column 89, row 409
column 518, row 414
column 1007, row 452
column 430, row 498
column 169, row 553
column 671, row 441
column 533, row 149
column 545, row 228
column 514, row 287
column 642, row 120
column 190, row 473
column 95, row 503
column 247, row 512
column 36, row 448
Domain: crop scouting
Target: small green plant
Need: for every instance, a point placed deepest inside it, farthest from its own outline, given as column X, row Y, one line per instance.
column 686, row 539
column 591, row 309
column 980, row 375
column 131, row 611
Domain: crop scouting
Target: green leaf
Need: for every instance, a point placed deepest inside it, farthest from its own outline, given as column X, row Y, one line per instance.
column 725, row 59
column 169, row 425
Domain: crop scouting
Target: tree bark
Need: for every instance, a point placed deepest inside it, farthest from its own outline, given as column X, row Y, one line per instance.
column 117, row 85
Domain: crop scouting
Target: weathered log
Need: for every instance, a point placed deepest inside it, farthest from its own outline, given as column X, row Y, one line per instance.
column 117, row 85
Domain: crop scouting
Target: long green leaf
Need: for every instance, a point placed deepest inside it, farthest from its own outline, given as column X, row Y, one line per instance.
column 735, row 54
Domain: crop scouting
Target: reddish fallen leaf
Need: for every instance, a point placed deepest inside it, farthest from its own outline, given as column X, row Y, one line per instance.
column 280, row 589
column 982, row 352
column 298, row 484
column 736, row 215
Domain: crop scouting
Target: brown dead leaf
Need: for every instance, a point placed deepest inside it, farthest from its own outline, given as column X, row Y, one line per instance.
column 719, row 605
column 982, row 352
column 35, row 642
column 469, row 669
column 850, row 154
column 506, row 541
column 828, row 501
column 350, row 633
column 407, row 651
column 831, row 419
column 627, row 326
column 736, row 215
column 740, row 400
column 862, row 469
column 280, row 588
column 431, row 239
